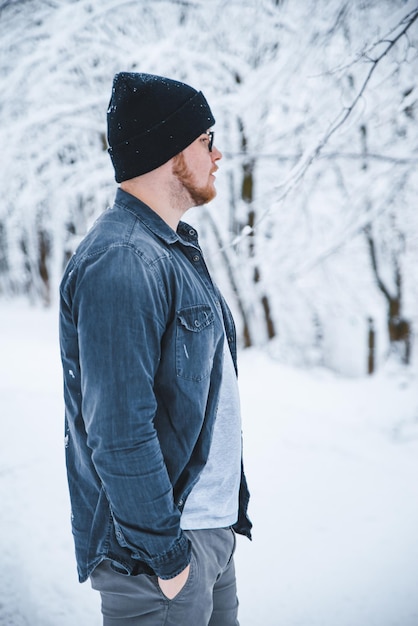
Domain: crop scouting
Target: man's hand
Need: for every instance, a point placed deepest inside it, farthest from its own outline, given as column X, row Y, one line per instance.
column 172, row 587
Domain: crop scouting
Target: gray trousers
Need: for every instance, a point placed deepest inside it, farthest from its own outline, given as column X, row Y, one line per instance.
column 209, row 597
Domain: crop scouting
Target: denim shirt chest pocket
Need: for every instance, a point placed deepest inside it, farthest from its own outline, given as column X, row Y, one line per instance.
column 195, row 342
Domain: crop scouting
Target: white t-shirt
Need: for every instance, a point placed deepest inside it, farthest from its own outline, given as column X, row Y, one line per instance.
column 213, row 501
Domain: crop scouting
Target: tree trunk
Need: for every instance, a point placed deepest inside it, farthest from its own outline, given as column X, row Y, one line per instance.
column 247, row 195
column 399, row 328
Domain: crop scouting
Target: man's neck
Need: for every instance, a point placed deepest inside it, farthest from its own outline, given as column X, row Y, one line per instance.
column 161, row 194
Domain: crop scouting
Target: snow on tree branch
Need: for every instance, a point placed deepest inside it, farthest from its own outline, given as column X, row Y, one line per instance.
column 313, row 152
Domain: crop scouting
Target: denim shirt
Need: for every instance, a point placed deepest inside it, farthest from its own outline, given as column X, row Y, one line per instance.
column 141, row 334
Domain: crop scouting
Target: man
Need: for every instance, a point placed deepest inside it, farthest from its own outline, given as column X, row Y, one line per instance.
column 153, row 435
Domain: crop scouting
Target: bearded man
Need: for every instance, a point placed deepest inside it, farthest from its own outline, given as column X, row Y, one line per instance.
column 148, row 346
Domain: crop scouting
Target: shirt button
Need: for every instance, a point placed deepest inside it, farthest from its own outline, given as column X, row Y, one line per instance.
column 196, row 258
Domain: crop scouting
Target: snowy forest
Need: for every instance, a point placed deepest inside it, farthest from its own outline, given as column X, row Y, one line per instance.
column 313, row 239
column 313, row 236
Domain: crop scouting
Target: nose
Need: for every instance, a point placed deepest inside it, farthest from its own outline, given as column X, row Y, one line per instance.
column 216, row 154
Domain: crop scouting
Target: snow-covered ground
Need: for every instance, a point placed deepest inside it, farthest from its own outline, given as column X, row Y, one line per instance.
column 332, row 466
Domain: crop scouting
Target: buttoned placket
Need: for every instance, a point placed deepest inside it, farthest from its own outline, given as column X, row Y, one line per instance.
column 199, row 263
column 195, row 255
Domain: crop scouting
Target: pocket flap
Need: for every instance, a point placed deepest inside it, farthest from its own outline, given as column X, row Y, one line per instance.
column 196, row 318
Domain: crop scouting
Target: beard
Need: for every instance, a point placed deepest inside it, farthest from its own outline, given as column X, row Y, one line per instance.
column 198, row 195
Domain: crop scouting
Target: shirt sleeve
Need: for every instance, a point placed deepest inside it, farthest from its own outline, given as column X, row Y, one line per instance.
column 120, row 310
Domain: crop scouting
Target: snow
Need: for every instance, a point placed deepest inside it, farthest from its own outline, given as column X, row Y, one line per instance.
column 332, row 465
column 281, row 78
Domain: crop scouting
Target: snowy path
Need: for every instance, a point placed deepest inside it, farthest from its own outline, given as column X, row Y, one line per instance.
column 332, row 466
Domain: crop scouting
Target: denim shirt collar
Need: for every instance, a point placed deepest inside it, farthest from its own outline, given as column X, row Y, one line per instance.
column 185, row 234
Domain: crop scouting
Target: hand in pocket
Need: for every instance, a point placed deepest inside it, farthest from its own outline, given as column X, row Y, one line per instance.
column 172, row 587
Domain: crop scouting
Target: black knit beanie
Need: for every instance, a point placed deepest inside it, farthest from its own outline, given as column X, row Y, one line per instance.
column 150, row 119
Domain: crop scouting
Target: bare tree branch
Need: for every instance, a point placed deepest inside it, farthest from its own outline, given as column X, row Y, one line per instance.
column 326, row 155
column 352, row 231
column 311, row 155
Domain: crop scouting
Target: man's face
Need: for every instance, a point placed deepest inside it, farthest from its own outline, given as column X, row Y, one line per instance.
column 194, row 168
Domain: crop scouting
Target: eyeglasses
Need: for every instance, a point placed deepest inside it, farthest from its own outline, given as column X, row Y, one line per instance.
column 211, row 135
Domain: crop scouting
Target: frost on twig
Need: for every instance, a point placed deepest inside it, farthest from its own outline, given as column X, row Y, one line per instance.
column 381, row 48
